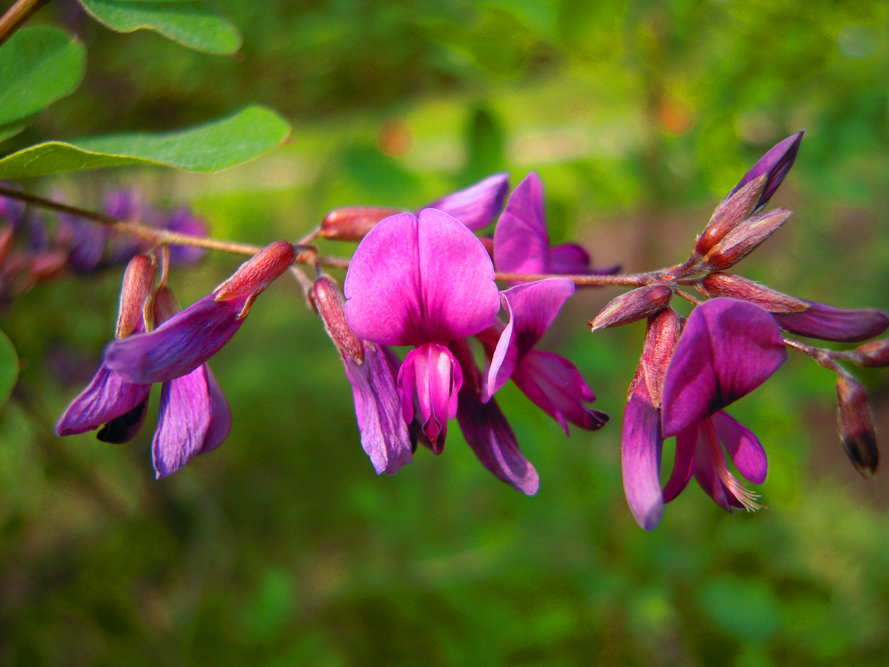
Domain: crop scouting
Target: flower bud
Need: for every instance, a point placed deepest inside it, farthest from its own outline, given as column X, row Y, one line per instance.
column 257, row 273
column 329, row 302
column 775, row 164
column 353, row 222
column 743, row 240
column 733, row 210
column 660, row 339
column 855, row 425
column 871, row 355
column 633, row 305
column 48, row 264
column 138, row 283
column 727, row 285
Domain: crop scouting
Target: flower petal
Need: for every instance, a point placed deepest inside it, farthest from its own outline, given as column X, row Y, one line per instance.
column 487, row 431
column 432, row 374
column 640, row 450
column 837, row 324
column 477, row 205
column 555, row 386
column 683, row 462
column 776, row 163
column 569, row 258
column 183, row 221
column 531, row 308
column 384, row 434
column 107, row 397
column 521, row 244
column 220, row 415
column 178, row 346
column 709, row 459
column 183, row 422
column 727, row 349
column 743, row 447
column 124, row 428
column 415, row 281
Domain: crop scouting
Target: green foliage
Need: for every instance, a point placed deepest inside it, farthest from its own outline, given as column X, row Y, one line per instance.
column 214, row 146
column 9, row 367
column 37, row 67
column 192, row 23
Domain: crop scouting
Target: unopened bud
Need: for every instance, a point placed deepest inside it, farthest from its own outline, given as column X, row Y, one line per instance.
column 775, row 164
column 165, row 305
column 871, row 355
column 730, row 286
column 330, row 304
column 660, row 339
column 48, row 264
column 352, row 223
column 733, row 210
column 634, row 305
column 258, row 272
column 743, row 240
column 138, row 283
column 856, row 426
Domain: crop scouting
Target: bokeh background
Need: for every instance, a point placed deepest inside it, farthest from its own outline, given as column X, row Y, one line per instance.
column 283, row 547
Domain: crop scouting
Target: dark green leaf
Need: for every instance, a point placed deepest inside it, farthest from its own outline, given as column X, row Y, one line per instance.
column 192, row 23
column 37, row 67
column 206, row 148
column 9, row 367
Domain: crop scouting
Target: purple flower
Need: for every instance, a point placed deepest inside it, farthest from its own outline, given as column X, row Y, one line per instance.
column 775, row 165
column 422, row 282
column 727, row 349
column 521, row 242
column 838, row 324
column 189, row 338
column 372, row 371
column 551, row 382
column 194, row 416
column 477, row 205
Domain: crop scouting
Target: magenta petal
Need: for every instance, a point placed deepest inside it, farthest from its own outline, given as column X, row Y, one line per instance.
column 220, row 415
column 569, row 259
column 705, row 470
column 683, row 463
column 531, row 308
column 743, row 447
column 384, row 434
column 432, row 374
column 487, row 431
column 403, row 287
column 107, row 397
column 727, row 349
column 776, row 163
column 837, row 324
column 477, row 205
column 521, row 244
column 179, row 345
column 555, row 386
column 183, row 421
column 124, row 428
column 640, row 450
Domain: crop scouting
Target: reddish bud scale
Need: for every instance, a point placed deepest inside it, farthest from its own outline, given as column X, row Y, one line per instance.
column 634, row 305
column 727, row 285
column 743, row 240
column 138, row 283
column 354, row 222
column 165, row 305
column 733, row 210
column 855, row 425
column 329, row 302
column 660, row 339
column 871, row 355
column 258, row 272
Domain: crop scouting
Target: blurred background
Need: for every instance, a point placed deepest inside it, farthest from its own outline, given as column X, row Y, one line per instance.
column 283, row 547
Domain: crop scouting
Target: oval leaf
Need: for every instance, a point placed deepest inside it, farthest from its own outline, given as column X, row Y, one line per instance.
column 9, row 367
column 37, row 67
column 192, row 23
column 206, row 148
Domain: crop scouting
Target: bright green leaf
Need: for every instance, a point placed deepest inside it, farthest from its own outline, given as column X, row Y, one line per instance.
column 192, row 23
column 206, row 148
column 12, row 129
column 37, row 67
column 9, row 367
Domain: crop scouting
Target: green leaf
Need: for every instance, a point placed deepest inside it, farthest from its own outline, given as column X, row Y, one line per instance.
column 12, row 129
column 192, row 23
column 9, row 367
column 206, row 148
column 37, row 67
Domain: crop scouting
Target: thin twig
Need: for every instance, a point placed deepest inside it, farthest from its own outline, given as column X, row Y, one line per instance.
column 689, row 297
column 822, row 356
column 16, row 15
